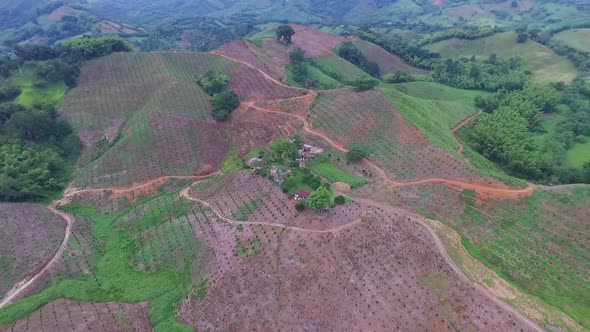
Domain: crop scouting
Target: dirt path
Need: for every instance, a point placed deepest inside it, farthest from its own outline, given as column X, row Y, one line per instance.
column 442, row 249
column 439, row 245
column 267, row 76
column 461, row 125
column 72, row 191
column 20, row 286
column 185, row 193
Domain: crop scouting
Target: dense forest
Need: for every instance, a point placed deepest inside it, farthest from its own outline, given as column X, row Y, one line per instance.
column 37, row 149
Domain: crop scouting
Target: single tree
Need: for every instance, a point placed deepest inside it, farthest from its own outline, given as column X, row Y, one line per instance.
column 339, row 200
column 284, row 33
column 319, row 199
column 522, row 38
column 363, row 83
column 356, row 154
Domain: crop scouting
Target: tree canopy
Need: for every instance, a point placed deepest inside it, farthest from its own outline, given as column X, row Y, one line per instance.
column 320, row 198
column 284, row 33
column 223, row 104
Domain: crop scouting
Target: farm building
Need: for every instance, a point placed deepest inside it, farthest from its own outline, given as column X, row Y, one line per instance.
column 302, row 194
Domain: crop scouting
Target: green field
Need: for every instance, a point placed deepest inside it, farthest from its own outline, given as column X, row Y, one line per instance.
column 319, row 79
column 49, row 93
column 334, row 65
column 544, row 63
column 576, row 38
column 578, row 154
column 323, row 167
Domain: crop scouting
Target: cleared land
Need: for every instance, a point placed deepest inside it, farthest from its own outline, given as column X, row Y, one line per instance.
column 68, row 315
column 543, row 62
column 369, row 120
column 387, row 62
column 129, row 109
column 539, row 244
column 576, row 38
column 383, row 273
column 30, row 236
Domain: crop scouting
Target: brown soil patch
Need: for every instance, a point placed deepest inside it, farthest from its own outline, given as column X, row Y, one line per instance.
column 384, row 273
column 68, row 315
column 388, row 63
column 256, row 57
column 59, row 13
column 315, row 43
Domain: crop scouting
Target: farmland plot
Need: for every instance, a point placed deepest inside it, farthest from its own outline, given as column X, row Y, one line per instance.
column 30, row 236
column 68, row 315
column 256, row 57
column 382, row 274
column 368, row 119
column 541, row 244
column 388, row 63
column 249, row 197
column 315, row 43
column 147, row 253
column 131, row 108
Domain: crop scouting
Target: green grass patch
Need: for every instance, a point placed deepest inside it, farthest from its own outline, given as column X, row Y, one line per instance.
column 231, row 162
column 113, row 277
column 244, row 211
column 338, row 68
column 49, row 93
column 318, row 79
column 249, row 248
column 543, row 62
column 578, row 154
column 323, row 167
column 258, row 38
column 576, row 38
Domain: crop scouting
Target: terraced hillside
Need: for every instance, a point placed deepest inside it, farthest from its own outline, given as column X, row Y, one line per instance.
column 130, row 108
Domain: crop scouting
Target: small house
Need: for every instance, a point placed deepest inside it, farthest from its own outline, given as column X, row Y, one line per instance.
column 309, row 151
column 302, row 194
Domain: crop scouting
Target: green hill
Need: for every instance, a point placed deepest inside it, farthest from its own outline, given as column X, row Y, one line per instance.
column 576, row 38
column 544, row 63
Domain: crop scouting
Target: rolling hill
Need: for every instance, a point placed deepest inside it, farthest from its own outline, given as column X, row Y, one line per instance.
column 544, row 63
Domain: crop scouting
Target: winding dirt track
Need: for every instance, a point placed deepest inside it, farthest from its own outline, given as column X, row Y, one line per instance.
column 20, row 286
column 421, row 220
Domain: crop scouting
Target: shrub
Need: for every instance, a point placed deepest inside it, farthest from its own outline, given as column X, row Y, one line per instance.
column 300, row 206
column 339, row 200
column 356, row 154
column 223, row 104
column 213, row 82
column 363, row 83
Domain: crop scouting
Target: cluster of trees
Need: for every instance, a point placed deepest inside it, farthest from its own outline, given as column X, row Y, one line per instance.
column 356, row 154
column 36, row 152
column 223, row 101
column 349, row 52
column 284, row 33
column 411, row 54
column 492, row 74
column 468, row 32
column 299, row 68
column 506, row 134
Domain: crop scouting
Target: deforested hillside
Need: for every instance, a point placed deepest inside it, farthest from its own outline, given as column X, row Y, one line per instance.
column 130, row 108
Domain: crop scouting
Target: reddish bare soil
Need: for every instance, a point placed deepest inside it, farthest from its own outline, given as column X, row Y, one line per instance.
column 381, row 274
column 67, row 315
column 368, row 119
column 388, row 63
column 30, row 236
column 315, row 43
column 251, row 54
